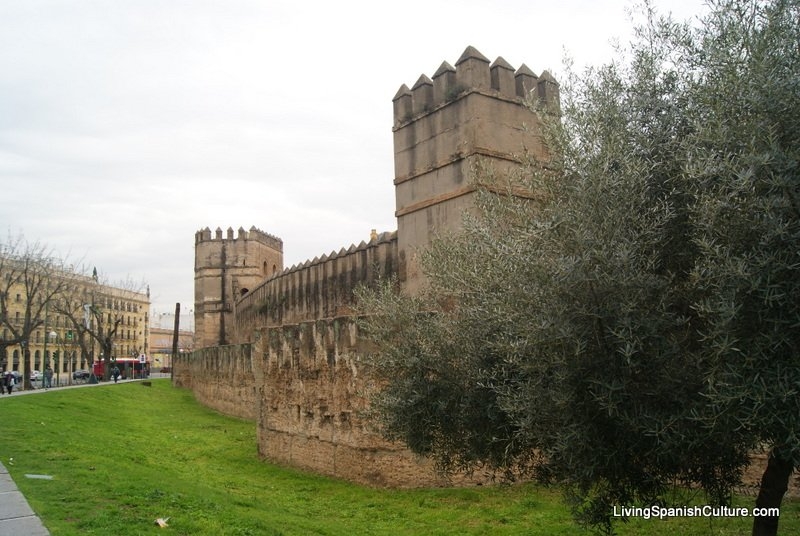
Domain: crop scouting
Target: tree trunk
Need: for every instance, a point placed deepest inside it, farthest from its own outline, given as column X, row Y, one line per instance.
column 774, row 484
column 26, row 374
column 107, row 349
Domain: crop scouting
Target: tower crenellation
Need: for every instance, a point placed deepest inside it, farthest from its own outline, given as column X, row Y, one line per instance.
column 422, row 95
column 525, row 80
column 253, row 234
column 502, row 78
column 444, row 83
column 402, row 105
column 473, row 72
column 547, row 89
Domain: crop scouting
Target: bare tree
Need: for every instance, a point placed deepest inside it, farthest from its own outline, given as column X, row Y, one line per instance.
column 29, row 278
column 94, row 312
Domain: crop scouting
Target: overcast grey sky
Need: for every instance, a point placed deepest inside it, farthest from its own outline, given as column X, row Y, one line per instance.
column 127, row 125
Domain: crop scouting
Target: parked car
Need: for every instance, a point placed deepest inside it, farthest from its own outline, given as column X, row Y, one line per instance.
column 36, row 376
column 81, row 375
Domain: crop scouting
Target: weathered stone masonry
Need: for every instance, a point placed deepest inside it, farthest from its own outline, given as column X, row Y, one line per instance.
column 221, row 377
column 312, row 395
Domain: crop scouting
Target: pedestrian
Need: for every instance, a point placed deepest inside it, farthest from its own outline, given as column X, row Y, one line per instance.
column 10, row 382
column 48, row 377
column 115, row 373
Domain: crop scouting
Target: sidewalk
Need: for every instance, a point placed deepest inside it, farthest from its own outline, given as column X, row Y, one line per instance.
column 16, row 516
column 64, row 385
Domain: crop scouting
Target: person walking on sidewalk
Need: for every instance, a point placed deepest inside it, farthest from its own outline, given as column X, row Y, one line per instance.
column 9, row 382
column 48, row 377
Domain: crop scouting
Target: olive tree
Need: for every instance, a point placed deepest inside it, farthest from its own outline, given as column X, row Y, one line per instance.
column 744, row 155
column 635, row 326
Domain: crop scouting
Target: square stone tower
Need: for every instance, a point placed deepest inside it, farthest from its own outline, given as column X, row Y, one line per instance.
column 443, row 126
column 224, row 269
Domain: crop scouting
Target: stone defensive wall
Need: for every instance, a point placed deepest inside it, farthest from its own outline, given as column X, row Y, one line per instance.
column 297, row 365
column 321, row 288
column 314, row 389
column 307, row 388
column 221, row 378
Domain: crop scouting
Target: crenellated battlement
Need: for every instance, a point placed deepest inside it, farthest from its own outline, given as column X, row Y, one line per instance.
column 382, row 238
column 473, row 73
column 255, row 234
column 318, row 288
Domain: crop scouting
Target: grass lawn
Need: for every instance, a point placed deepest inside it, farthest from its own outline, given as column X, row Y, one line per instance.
column 123, row 455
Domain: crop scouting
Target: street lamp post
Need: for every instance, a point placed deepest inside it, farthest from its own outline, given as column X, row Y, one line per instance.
column 43, row 365
column 71, row 368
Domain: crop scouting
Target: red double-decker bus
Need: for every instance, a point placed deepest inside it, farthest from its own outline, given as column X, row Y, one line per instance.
column 129, row 367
